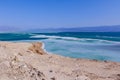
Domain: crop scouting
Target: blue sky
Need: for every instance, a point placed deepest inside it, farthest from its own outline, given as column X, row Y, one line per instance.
column 58, row 13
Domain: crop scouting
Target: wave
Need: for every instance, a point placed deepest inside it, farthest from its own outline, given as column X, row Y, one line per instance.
column 54, row 37
column 107, row 37
column 74, row 39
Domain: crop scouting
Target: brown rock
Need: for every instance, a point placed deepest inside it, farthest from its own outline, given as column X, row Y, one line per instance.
column 37, row 48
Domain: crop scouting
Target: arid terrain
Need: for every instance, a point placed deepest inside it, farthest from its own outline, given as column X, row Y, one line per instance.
column 28, row 61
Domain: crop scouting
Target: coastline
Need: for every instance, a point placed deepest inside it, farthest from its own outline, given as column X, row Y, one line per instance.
column 30, row 61
column 43, row 47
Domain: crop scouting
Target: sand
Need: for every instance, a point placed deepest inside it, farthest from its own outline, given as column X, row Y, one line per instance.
column 28, row 61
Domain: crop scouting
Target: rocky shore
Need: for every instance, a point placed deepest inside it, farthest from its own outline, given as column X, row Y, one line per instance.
column 28, row 61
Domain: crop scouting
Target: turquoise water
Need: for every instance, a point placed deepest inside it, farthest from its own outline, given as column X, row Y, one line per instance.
column 100, row 46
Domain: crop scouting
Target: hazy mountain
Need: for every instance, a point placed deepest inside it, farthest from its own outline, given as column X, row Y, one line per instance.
column 81, row 29
column 77, row 29
column 4, row 29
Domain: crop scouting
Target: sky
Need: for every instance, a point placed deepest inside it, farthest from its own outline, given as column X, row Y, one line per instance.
column 28, row 14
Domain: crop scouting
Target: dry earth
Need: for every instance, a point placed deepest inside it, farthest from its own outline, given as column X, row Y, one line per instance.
column 28, row 61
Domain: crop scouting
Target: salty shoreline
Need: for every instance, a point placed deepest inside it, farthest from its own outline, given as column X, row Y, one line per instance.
column 27, row 61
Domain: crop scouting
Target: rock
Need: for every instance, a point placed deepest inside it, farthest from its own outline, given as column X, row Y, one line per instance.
column 53, row 78
column 37, row 48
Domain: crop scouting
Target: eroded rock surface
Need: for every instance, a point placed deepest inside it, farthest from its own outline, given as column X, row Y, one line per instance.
column 28, row 61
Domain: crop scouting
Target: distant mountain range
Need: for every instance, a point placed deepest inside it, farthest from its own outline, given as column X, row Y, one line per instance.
column 6, row 29
column 77, row 29
column 80, row 29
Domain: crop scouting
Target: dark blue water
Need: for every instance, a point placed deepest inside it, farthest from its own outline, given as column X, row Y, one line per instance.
column 100, row 46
